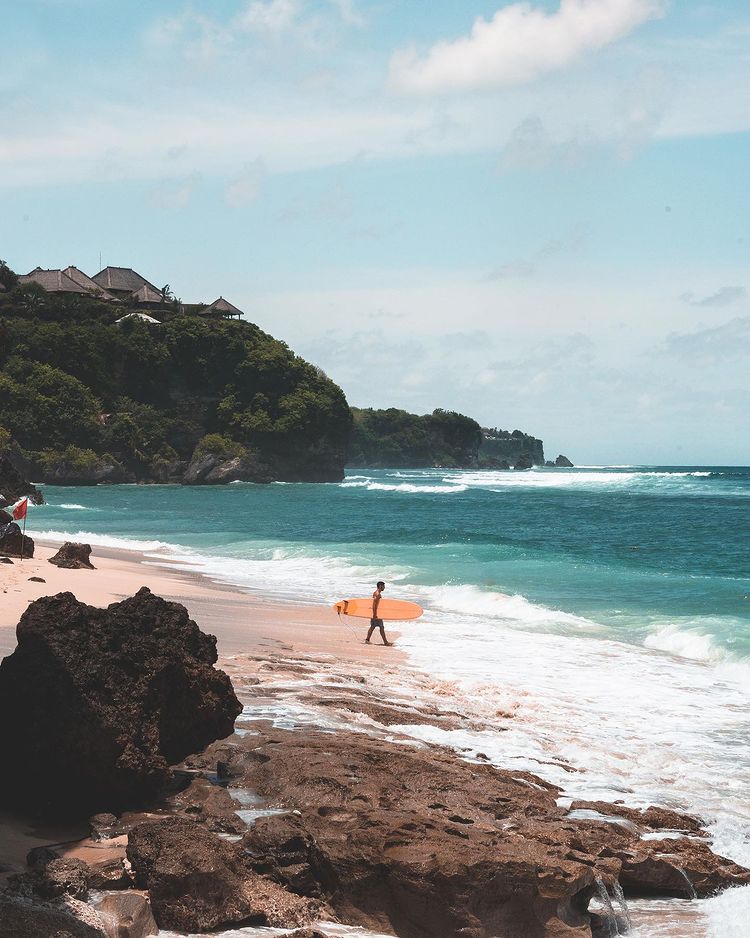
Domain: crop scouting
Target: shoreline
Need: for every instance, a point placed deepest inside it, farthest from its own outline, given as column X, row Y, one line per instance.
column 303, row 648
column 243, row 621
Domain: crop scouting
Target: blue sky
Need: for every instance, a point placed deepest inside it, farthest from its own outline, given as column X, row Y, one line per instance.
column 536, row 213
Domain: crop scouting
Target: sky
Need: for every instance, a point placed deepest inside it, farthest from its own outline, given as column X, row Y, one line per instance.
column 536, row 213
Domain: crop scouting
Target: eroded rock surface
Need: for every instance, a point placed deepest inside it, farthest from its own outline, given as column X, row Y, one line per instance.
column 417, row 842
column 73, row 556
column 105, row 700
column 198, row 882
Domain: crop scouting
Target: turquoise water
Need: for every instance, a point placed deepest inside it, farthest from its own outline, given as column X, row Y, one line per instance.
column 636, row 551
column 593, row 623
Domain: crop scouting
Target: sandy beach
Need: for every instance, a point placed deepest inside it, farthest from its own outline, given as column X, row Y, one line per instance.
column 242, row 622
column 311, row 689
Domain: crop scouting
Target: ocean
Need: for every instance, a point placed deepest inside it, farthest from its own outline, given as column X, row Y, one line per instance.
column 599, row 617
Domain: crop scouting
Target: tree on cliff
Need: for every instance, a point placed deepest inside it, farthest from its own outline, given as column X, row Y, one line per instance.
column 144, row 396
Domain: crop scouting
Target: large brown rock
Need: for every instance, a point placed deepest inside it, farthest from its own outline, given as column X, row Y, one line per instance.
column 13, row 543
column 198, row 882
column 105, row 700
column 73, row 556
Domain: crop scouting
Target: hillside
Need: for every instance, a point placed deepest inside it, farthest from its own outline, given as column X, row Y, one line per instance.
column 187, row 399
column 396, row 439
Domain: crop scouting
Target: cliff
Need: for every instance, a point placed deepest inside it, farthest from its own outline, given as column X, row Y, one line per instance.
column 514, row 448
column 87, row 399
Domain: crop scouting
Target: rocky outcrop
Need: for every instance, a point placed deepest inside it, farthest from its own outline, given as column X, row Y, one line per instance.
column 499, row 446
column 198, row 882
column 216, row 469
column 562, row 462
column 105, row 700
column 73, row 556
column 417, row 842
column 14, row 486
column 13, row 542
column 524, row 461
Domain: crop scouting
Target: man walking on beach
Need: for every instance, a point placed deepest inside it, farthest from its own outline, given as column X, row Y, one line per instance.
column 375, row 622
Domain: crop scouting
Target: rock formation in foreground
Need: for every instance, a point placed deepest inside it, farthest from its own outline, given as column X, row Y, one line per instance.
column 105, row 700
column 416, row 842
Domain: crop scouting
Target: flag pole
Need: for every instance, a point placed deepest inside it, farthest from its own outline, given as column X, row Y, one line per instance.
column 23, row 534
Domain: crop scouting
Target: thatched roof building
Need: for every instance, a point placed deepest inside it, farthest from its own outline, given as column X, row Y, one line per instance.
column 223, row 308
column 53, row 281
column 91, row 286
column 148, row 296
column 122, row 281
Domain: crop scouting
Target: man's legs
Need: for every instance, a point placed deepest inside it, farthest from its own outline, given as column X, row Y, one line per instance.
column 382, row 633
column 373, row 623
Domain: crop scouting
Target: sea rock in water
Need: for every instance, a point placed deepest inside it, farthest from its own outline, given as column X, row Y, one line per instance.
column 13, row 543
column 198, row 882
column 73, row 556
column 562, row 462
column 105, row 700
column 211, row 469
column 14, row 486
column 524, row 461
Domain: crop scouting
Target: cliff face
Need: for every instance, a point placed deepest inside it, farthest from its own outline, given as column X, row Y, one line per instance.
column 500, row 446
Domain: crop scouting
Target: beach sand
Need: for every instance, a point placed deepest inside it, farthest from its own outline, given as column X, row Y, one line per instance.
column 247, row 628
column 242, row 622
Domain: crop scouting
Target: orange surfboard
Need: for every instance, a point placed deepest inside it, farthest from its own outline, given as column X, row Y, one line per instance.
column 389, row 609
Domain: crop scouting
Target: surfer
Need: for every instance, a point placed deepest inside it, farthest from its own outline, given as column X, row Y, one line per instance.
column 375, row 622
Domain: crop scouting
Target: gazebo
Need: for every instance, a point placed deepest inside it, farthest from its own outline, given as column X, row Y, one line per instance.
column 223, row 308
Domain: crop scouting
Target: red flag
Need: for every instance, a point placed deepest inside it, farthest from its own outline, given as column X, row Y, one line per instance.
column 19, row 512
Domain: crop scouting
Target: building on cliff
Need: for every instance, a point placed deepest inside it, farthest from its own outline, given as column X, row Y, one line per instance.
column 124, row 285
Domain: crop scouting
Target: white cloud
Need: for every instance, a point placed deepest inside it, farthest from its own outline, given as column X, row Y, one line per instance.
column 245, row 188
column 724, row 296
column 171, row 195
column 519, row 44
column 271, row 17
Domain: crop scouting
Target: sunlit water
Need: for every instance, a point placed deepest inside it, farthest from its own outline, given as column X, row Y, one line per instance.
column 600, row 617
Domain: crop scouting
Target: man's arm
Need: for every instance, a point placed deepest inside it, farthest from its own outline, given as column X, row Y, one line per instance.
column 375, row 603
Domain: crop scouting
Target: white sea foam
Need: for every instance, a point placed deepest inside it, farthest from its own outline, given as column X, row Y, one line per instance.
column 108, row 540
column 74, row 507
column 685, row 644
column 469, row 600
column 727, row 915
column 406, row 487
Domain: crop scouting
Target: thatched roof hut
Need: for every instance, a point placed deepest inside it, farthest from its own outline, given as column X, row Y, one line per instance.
column 122, row 281
column 223, row 308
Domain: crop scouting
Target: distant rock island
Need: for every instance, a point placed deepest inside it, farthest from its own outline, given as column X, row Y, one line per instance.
column 112, row 379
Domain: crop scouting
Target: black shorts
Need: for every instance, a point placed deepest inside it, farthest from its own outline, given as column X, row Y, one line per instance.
column 376, row 623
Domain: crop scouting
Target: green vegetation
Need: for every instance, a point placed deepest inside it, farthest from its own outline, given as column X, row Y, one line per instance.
column 86, row 398
column 394, row 438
